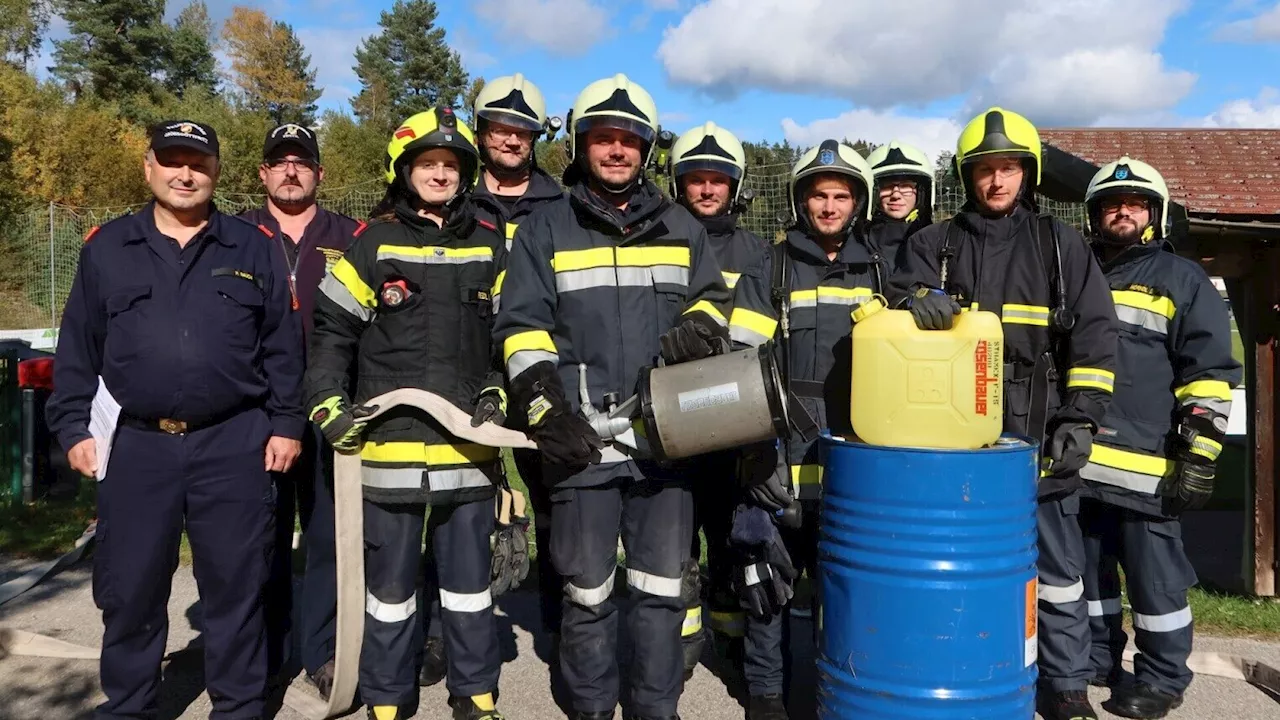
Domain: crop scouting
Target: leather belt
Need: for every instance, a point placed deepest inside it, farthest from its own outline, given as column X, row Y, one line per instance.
column 166, row 425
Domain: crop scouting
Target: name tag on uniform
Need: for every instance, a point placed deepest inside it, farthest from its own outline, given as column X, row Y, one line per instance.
column 243, row 275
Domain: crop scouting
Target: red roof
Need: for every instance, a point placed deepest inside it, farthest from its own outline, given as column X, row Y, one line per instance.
column 1220, row 172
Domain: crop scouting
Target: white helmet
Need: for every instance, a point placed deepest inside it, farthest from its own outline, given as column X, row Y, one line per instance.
column 830, row 156
column 901, row 160
column 513, row 100
column 614, row 102
column 708, row 147
column 1129, row 176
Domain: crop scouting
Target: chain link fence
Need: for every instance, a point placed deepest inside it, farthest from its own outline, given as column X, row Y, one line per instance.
column 46, row 243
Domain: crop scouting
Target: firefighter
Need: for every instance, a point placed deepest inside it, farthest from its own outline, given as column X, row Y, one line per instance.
column 904, row 198
column 1060, row 355
column 818, row 275
column 707, row 174
column 1159, row 441
column 410, row 305
column 510, row 116
column 612, row 277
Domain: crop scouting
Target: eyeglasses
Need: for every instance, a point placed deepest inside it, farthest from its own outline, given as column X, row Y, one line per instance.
column 499, row 132
column 1132, row 204
column 906, row 187
column 300, row 166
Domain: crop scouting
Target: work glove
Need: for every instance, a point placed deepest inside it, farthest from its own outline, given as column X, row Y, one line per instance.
column 563, row 437
column 1192, row 486
column 491, row 406
column 766, row 477
column 1068, row 447
column 696, row 337
column 764, row 574
column 933, row 309
column 341, row 425
column 510, row 565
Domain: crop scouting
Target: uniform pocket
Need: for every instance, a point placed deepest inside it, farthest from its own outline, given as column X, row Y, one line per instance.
column 1171, row 571
column 565, row 533
column 670, row 305
column 474, row 330
column 240, row 304
column 127, row 321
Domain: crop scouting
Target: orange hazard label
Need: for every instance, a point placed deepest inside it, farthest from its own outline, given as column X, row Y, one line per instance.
column 1031, row 609
column 1031, row 606
column 983, row 376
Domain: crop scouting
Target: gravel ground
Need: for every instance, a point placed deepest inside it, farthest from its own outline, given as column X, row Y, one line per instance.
column 62, row 607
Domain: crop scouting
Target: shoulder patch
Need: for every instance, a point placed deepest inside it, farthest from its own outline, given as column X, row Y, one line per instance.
column 359, row 229
column 266, row 231
column 92, row 231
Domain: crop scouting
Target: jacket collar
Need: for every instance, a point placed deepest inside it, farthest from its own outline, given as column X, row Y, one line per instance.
column 144, row 226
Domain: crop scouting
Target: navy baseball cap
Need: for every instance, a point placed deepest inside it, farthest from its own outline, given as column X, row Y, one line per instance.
column 292, row 134
column 184, row 133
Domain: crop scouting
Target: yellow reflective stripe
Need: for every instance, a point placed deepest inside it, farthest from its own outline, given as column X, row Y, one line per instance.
column 1215, row 389
column 692, row 622
column 434, row 251
column 566, row 260
column 1096, row 378
column 758, row 323
column 730, row 278
column 346, row 274
column 511, row 230
column 417, row 453
column 708, row 308
column 805, row 475
column 1134, row 299
column 641, row 256
column 1205, row 447
column 1016, row 314
column 497, row 284
column 1131, row 461
column 527, row 340
column 731, row 624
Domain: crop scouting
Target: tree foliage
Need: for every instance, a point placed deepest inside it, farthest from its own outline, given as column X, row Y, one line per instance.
column 115, row 49
column 271, row 66
column 22, row 27
column 191, row 43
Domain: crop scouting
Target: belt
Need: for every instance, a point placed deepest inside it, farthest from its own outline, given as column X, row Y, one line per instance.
column 169, row 425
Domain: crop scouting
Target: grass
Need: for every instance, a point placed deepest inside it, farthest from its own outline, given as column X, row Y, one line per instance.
column 48, row 528
column 1235, row 616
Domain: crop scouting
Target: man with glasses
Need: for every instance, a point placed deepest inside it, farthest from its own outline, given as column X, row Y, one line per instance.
column 310, row 240
column 903, row 178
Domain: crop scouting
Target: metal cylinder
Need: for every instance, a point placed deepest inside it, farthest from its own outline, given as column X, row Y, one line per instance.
column 716, row 403
column 927, row 582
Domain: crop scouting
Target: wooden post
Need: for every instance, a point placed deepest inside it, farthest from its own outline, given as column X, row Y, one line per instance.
column 1265, row 301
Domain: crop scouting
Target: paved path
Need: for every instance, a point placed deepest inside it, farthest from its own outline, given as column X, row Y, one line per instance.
column 62, row 607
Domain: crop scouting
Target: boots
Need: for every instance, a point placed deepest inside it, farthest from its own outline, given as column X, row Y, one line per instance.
column 604, row 715
column 476, row 707
column 1069, row 705
column 1140, row 700
column 691, row 646
column 766, row 707
column 434, row 664
column 384, row 712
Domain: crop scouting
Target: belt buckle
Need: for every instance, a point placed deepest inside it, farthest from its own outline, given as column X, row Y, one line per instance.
column 173, row 427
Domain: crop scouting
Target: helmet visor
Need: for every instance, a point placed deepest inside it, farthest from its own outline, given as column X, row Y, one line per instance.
column 720, row 166
column 510, row 119
column 616, row 122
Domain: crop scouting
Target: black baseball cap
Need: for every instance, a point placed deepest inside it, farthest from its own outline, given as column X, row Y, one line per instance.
column 184, row 133
column 291, row 133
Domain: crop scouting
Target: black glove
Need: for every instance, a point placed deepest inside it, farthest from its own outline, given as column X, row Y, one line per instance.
column 563, row 437
column 491, row 406
column 766, row 477
column 696, row 337
column 764, row 576
column 1192, row 486
column 933, row 309
column 510, row 564
column 341, row 425
column 1068, row 447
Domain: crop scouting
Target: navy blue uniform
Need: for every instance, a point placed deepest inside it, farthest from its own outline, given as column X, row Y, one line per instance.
column 202, row 335
column 308, row 485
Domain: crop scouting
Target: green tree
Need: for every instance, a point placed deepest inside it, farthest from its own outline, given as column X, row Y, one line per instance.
column 22, row 27
column 473, row 92
column 407, row 67
column 115, row 48
column 271, row 67
column 352, row 152
column 190, row 62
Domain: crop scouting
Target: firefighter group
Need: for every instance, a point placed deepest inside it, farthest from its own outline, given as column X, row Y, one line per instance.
column 244, row 351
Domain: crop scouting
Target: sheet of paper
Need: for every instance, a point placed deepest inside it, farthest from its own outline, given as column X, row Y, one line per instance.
column 103, row 417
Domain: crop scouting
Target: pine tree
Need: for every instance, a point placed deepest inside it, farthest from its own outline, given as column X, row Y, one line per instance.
column 22, row 27
column 271, row 67
column 191, row 63
column 115, row 48
column 407, row 67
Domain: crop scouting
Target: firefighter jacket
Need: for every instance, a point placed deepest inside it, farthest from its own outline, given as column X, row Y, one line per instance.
column 735, row 247
column 1174, row 356
column 409, row 306
column 821, row 295
column 887, row 241
column 1000, row 265
column 506, row 213
column 590, row 284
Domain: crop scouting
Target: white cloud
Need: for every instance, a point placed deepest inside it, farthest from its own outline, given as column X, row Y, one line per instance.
column 1263, row 27
column 473, row 58
column 932, row 135
column 1056, row 62
column 1260, row 112
column 332, row 52
column 564, row 27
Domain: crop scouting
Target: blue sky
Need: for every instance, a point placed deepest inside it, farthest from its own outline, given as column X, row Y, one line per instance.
column 807, row 69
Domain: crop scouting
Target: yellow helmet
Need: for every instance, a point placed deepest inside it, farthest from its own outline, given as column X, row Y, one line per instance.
column 512, row 100
column 1128, row 176
column 830, row 156
column 708, row 147
column 614, row 102
column 435, row 128
column 901, row 160
column 999, row 132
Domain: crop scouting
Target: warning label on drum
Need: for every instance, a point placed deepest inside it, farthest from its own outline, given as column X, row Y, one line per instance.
column 1030, row 650
column 713, row 396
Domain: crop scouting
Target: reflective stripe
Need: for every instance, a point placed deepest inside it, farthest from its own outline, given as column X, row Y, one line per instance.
column 332, row 288
column 390, row 612
column 423, row 454
column 1222, row 407
column 692, row 622
column 1168, row 622
column 653, row 584
column 733, row 624
column 1057, row 595
column 750, row 327
column 457, row 479
column 435, row 254
column 497, row 283
column 730, row 278
column 522, row 361
column 510, row 230
column 1205, row 447
column 466, row 602
column 392, row 478
column 1132, row 461
column 1107, row 606
column 590, row 597
column 346, row 274
column 1143, row 318
column 708, row 308
column 806, row 481
column 1095, row 378
column 638, row 256
column 1161, row 306
column 752, row 573
column 525, row 349
column 575, row 280
column 1016, row 314
column 1120, row 478
column 1209, row 389
column 830, row 296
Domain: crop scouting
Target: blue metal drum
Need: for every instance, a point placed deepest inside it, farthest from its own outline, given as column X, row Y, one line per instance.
column 927, row 582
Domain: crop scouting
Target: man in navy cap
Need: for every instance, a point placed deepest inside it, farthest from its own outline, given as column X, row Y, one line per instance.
column 310, row 239
column 185, row 317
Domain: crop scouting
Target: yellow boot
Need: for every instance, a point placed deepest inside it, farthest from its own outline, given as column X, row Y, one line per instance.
column 384, row 712
column 476, row 707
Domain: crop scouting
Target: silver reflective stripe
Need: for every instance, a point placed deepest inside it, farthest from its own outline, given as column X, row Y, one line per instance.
column 391, row 478
column 1148, row 484
column 752, row 574
column 1222, row 407
column 333, row 289
column 625, row 276
column 804, row 303
column 590, row 597
column 670, row 275
column 441, row 258
column 1106, row 606
column 525, row 359
column 1057, row 595
column 692, row 621
column 465, row 602
column 846, row 301
column 456, row 479
column 1168, row 622
column 747, row 336
column 653, row 584
column 574, row 280
column 1008, row 313
column 497, row 301
column 390, row 612
column 1143, row 318
column 1211, row 451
